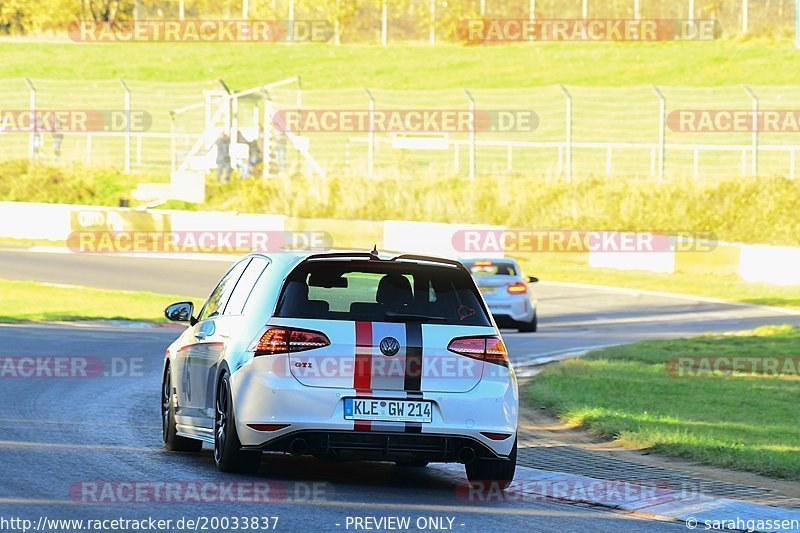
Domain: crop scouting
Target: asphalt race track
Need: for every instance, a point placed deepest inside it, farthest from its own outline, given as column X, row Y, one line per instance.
column 66, row 440
column 60, row 436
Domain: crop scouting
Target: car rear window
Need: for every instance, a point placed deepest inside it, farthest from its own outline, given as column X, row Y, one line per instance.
column 491, row 268
column 374, row 291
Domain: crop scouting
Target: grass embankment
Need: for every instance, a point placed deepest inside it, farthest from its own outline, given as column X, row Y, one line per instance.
column 402, row 66
column 744, row 422
column 27, row 300
column 757, row 211
column 760, row 211
column 21, row 181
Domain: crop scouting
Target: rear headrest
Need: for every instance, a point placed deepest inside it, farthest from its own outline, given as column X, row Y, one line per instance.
column 394, row 289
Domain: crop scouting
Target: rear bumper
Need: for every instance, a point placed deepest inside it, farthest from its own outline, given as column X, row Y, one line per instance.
column 516, row 310
column 261, row 397
column 380, row 446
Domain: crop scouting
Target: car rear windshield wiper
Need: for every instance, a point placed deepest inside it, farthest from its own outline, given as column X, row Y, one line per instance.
column 415, row 316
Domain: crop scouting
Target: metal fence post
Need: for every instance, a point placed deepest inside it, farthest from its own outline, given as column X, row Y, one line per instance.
column 568, row 124
column 662, row 123
column 754, row 162
column 691, row 10
column 585, row 9
column 266, row 129
column 384, row 22
column 291, row 21
column 636, row 14
column 472, row 160
column 174, row 143
column 531, row 18
column 371, row 145
column 432, row 37
column 127, row 125
column 745, row 15
column 32, row 106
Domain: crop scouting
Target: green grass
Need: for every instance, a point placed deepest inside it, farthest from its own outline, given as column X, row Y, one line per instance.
column 763, row 211
column 626, row 394
column 21, row 181
column 30, row 301
column 241, row 65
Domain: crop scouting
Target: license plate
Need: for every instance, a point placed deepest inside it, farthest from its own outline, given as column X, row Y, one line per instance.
column 487, row 290
column 388, row 410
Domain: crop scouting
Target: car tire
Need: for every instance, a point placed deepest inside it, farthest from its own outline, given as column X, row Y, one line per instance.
column 529, row 327
column 172, row 441
column 228, row 453
column 499, row 471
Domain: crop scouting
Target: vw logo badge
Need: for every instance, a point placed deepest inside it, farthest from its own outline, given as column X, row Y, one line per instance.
column 390, row 346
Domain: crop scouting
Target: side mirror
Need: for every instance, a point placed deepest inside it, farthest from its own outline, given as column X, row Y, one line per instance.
column 181, row 312
column 532, row 279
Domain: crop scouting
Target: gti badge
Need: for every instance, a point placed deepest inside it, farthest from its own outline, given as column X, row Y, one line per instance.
column 390, row 346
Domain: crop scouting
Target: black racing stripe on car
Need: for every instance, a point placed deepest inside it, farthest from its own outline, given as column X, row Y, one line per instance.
column 413, row 371
column 413, row 427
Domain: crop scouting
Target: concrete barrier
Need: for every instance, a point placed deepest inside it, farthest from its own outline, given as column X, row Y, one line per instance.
column 35, row 221
column 658, row 257
column 343, row 233
column 779, row 265
column 431, row 238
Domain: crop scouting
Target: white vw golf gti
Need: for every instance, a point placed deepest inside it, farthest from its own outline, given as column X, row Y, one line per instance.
column 346, row 355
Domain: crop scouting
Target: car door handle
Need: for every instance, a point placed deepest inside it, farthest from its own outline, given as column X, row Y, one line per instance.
column 200, row 335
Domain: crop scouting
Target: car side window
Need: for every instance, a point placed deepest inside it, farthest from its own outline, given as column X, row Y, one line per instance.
column 245, row 286
column 216, row 302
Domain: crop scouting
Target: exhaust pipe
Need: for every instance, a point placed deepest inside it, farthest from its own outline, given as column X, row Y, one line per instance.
column 466, row 455
column 298, row 446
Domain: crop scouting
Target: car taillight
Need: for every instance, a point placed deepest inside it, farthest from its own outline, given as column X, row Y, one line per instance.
column 490, row 349
column 284, row 340
column 517, row 288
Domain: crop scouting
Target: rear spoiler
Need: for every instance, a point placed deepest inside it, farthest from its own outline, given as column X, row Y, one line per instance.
column 373, row 257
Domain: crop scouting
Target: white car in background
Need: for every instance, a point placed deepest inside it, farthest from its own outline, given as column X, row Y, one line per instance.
column 347, row 355
column 506, row 291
